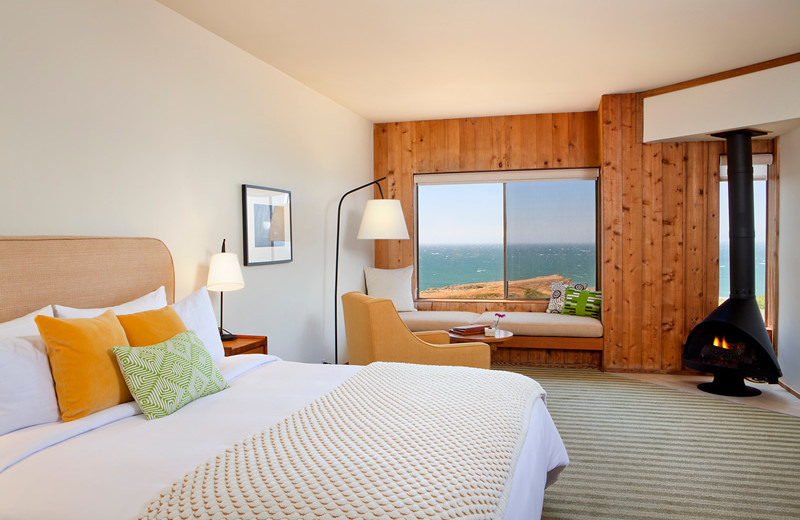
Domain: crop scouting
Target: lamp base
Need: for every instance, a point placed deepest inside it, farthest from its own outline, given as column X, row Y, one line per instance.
column 224, row 335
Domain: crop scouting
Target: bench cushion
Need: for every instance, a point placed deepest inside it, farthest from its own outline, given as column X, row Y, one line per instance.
column 544, row 324
column 520, row 323
column 437, row 320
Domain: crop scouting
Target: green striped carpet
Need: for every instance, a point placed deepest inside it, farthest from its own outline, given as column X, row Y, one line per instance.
column 641, row 451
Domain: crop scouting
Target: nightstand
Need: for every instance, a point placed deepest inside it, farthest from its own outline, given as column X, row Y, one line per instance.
column 245, row 345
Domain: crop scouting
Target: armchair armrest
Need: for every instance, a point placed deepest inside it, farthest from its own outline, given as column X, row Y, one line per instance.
column 473, row 354
column 437, row 337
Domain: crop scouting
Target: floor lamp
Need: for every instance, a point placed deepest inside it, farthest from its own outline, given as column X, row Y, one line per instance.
column 383, row 220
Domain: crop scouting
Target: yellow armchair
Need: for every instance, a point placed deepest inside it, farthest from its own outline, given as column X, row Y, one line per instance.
column 375, row 332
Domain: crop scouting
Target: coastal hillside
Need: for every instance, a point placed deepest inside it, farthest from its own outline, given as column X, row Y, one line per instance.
column 529, row 289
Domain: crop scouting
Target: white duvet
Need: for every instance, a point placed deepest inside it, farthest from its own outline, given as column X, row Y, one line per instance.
column 111, row 464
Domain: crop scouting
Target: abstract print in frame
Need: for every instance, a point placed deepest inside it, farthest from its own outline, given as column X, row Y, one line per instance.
column 267, row 215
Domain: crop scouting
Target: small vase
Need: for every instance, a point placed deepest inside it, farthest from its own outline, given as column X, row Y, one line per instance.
column 489, row 331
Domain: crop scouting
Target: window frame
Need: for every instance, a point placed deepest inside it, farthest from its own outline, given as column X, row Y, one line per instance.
column 504, row 177
column 771, row 232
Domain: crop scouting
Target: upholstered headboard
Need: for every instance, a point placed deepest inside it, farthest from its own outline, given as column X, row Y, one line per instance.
column 80, row 272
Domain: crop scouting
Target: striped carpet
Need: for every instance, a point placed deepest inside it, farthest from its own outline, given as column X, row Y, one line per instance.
column 641, row 451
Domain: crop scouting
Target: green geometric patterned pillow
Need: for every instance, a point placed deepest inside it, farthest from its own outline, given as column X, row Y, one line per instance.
column 164, row 377
column 583, row 303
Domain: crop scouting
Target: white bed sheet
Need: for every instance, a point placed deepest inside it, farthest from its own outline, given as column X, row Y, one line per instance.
column 72, row 478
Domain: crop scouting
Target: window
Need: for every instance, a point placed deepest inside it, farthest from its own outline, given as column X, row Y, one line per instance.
column 760, row 169
column 505, row 235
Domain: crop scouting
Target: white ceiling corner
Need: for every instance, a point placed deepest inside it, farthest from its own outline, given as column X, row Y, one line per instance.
column 435, row 59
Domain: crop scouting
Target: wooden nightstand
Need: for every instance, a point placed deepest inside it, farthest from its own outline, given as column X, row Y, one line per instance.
column 246, row 345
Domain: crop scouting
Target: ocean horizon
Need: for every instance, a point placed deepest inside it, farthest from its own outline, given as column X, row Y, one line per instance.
column 446, row 265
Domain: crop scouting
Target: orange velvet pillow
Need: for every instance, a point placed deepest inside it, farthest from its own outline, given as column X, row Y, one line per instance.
column 85, row 370
column 151, row 327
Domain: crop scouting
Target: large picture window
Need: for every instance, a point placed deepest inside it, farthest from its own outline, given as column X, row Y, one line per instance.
column 505, row 235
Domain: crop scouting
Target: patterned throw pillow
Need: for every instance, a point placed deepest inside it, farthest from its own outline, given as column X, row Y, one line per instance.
column 582, row 303
column 169, row 375
column 557, row 293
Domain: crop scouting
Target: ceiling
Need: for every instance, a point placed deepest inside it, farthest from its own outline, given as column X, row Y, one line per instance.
column 403, row 60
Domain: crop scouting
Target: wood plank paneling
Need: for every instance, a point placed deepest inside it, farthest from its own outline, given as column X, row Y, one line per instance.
column 632, row 253
column 551, row 358
column 659, row 222
column 672, row 288
column 695, row 234
column 561, row 140
column 452, row 151
column 660, row 235
column 611, row 215
column 437, row 146
column 544, row 141
column 482, row 144
column 466, row 142
column 651, row 256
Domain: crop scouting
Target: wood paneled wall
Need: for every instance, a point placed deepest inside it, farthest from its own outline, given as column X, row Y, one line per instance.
column 522, row 142
column 565, row 140
column 660, row 234
column 659, row 217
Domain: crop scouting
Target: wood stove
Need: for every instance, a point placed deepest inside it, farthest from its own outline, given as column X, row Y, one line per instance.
column 732, row 342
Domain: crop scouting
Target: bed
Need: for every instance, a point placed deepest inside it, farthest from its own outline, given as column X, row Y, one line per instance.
column 115, row 463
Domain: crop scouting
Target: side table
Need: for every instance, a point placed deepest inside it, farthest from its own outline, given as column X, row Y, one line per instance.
column 245, row 345
column 500, row 336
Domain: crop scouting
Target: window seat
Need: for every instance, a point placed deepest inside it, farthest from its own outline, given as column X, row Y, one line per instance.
column 533, row 330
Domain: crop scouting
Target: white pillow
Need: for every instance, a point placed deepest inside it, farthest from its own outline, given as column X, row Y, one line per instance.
column 151, row 301
column 27, row 393
column 394, row 284
column 198, row 315
column 24, row 326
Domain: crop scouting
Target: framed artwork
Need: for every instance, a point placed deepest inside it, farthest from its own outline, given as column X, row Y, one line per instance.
column 267, row 216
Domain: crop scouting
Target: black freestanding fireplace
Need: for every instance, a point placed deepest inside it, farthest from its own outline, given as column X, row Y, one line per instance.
column 732, row 342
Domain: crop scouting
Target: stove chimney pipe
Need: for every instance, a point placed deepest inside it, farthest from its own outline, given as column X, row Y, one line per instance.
column 742, row 227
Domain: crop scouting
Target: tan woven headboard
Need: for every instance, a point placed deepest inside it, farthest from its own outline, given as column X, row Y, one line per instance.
column 80, row 272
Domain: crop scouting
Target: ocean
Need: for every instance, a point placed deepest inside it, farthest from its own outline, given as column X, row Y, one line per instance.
column 444, row 265
column 725, row 273
column 440, row 266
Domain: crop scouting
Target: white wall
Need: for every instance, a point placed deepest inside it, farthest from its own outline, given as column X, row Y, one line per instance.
column 126, row 119
column 788, row 333
column 761, row 100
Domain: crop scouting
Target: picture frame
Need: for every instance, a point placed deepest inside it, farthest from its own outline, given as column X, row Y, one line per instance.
column 267, row 225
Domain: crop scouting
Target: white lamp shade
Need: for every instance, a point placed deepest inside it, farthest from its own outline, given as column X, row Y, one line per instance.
column 224, row 273
column 383, row 219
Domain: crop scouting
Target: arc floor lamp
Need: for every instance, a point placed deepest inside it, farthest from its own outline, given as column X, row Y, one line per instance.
column 382, row 220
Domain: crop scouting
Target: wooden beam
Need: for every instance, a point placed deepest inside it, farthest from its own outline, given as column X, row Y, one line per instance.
column 711, row 78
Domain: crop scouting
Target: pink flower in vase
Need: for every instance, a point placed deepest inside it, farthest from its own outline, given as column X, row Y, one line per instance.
column 498, row 315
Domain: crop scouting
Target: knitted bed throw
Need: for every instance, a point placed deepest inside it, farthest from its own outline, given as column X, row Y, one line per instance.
column 394, row 441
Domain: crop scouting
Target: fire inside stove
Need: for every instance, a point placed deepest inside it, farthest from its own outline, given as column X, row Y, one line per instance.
column 721, row 353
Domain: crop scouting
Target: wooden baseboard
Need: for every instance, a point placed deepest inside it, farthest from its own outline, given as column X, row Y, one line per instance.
column 547, row 357
column 789, row 389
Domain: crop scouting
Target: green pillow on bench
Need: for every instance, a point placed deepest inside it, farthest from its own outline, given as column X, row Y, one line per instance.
column 583, row 303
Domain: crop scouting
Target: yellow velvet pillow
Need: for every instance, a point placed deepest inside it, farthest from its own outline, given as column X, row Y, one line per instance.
column 85, row 369
column 151, row 327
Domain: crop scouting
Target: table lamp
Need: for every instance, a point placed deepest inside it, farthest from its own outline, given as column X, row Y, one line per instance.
column 224, row 274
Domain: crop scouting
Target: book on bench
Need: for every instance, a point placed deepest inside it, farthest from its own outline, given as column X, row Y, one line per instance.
column 467, row 330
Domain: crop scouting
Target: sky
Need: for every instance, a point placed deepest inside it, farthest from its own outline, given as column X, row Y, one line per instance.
column 539, row 212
